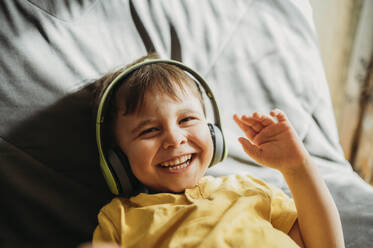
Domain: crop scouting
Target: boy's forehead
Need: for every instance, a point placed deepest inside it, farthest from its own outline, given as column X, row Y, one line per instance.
column 181, row 98
column 136, row 99
column 179, row 95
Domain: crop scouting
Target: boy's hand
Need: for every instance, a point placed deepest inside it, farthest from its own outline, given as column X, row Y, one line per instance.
column 276, row 145
column 272, row 143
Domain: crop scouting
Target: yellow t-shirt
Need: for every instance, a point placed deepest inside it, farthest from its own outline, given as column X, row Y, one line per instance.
column 229, row 211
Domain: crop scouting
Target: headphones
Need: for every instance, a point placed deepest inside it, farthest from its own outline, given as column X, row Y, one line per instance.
column 114, row 163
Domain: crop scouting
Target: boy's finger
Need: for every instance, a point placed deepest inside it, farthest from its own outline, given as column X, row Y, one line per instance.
column 280, row 116
column 267, row 122
column 250, row 133
column 264, row 119
column 251, row 149
column 254, row 123
column 256, row 115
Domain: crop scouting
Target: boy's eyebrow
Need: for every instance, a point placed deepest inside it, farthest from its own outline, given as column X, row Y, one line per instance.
column 141, row 125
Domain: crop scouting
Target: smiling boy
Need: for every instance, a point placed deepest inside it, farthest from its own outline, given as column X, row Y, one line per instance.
column 158, row 122
column 167, row 141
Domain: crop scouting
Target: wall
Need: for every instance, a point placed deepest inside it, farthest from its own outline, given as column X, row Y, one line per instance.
column 345, row 31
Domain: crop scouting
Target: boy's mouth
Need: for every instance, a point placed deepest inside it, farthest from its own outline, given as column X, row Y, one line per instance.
column 178, row 163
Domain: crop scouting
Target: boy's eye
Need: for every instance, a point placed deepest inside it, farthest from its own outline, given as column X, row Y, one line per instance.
column 149, row 130
column 187, row 119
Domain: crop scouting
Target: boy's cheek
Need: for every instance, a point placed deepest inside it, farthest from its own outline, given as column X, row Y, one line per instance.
column 139, row 154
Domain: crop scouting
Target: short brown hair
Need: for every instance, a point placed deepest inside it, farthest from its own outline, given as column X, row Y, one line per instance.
column 161, row 77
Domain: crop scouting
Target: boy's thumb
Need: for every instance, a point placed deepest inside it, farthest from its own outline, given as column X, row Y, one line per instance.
column 251, row 149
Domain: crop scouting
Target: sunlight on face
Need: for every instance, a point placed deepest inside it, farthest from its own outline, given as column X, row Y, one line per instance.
column 167, row 142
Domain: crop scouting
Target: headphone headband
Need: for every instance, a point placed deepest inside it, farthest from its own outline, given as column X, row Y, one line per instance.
column 105, row 99
column 128, row 71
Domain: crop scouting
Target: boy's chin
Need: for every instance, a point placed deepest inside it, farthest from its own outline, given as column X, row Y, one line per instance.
column 177, row 189
column 182, row 189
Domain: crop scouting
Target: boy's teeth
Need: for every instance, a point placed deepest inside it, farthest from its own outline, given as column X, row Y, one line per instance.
column 179, row 166
column 177, row 162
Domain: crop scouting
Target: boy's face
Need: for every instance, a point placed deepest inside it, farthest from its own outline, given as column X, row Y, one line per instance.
column 167, row 142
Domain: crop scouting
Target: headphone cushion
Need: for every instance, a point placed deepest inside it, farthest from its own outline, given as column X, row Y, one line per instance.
column 218, row 142
column 120, row 165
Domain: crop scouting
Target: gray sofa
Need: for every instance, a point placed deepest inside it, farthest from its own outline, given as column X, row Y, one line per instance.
column 255, row 54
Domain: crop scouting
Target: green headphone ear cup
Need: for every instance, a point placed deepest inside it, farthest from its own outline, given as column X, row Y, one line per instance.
column 109, row 175
column 125, row 180
column 219, row 144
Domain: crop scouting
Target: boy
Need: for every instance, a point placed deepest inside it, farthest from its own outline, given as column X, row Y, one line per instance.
column 161, row 128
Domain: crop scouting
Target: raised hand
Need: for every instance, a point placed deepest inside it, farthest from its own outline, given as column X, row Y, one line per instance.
column 274, row 143
column 270, row 142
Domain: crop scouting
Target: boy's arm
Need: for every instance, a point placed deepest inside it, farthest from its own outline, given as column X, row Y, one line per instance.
column 276, row 145
column 296, row 235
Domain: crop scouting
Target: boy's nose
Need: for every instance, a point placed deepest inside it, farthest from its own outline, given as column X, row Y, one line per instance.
column 174, row 138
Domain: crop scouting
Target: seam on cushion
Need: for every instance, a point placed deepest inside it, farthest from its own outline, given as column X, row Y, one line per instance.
column 14, row 147
column 141, row 29
column 226, row 41
column 73, row 20
column 2, row 139
column 322, row 130
column 306, row 130
column 312, row 110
